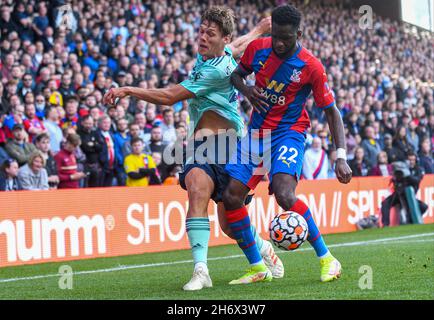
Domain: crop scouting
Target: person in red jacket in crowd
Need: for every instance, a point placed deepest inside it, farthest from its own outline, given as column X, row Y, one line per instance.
column 67, row 163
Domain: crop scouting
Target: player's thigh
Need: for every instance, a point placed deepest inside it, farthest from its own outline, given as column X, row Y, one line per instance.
column 235, row 194
column 286, row 166
column 200, row 187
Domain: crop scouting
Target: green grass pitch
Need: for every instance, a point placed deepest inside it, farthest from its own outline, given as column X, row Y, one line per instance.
column 401, row 260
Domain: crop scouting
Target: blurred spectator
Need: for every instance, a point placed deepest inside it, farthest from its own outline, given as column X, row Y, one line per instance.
column 33, row 175
column 4, row 103
column 9, row 176
column 120, row 138
column 67, row 164
column 168, row 126
column 416, row 172
column 391, row 151
column 383, row 168
column 42, row 143
column 32, row 123
column 426, row 156
column 80, row 156
column 133, row 132
column 66, row 89
column 351, row 144
column 370, row 147
column 156, row 143
column 92, row 145
column 359, row 165
column 17, row 147
column 401, row 144
column 107, row 156
column 15, row 117
column 413, row 136
column 40, row 106
column 71, row 115
column 53, row 129
column 316, row 163
column 139, row 166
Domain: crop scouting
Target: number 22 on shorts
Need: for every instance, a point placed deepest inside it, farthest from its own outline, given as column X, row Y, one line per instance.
column 293, row 153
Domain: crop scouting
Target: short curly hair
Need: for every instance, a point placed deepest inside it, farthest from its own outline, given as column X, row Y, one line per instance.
column 223, row 17
column 286, row 15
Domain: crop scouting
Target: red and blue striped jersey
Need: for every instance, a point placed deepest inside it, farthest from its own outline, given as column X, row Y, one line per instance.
column 286, row 85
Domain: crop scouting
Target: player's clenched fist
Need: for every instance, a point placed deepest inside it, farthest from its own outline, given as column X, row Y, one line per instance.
column 114, row 93
column 343, row 171
column 254, row 95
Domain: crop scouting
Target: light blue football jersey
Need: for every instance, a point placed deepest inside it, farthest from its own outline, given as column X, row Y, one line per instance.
column 210, row 82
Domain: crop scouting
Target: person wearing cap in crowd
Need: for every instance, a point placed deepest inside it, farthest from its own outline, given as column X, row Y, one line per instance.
column 17, row 147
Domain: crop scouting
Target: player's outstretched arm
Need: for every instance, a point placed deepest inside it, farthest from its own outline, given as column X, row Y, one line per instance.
column 164, row 96
column 252, row 93
column 240, row 44
column 334, row 119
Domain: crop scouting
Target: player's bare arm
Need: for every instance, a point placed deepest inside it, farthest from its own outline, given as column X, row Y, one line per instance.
column 252, row 93
column 334, row 120
column 164, row 96
column 240, row 44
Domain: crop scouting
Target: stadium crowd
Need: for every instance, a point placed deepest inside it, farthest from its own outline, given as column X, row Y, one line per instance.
column 56, row 65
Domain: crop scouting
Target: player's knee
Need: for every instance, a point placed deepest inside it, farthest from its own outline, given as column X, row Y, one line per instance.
column 285, row 198
column 231, row 200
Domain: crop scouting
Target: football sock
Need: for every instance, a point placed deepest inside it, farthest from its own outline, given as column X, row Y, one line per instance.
column 315, row 238
column 239, row 223
column 198, row 232
column 259, row 241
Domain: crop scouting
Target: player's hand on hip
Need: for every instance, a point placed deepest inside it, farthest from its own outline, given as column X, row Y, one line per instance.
column 254, row 95
column 343, row 171
column 114, row 93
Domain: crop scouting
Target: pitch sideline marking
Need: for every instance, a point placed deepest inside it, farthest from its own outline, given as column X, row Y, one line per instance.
column 159, row 264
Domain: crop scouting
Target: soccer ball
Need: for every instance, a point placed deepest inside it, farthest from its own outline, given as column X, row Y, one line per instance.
column 288, row 230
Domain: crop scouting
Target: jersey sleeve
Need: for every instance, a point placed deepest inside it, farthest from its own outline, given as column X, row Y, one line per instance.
column 202, row 81
column 246, row 60
column 322, row 93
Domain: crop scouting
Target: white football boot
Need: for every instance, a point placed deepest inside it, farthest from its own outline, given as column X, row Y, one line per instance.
column 271, row 260
column 200, row 279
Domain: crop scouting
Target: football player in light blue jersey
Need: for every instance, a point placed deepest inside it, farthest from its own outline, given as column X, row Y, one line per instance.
column 213, row 109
